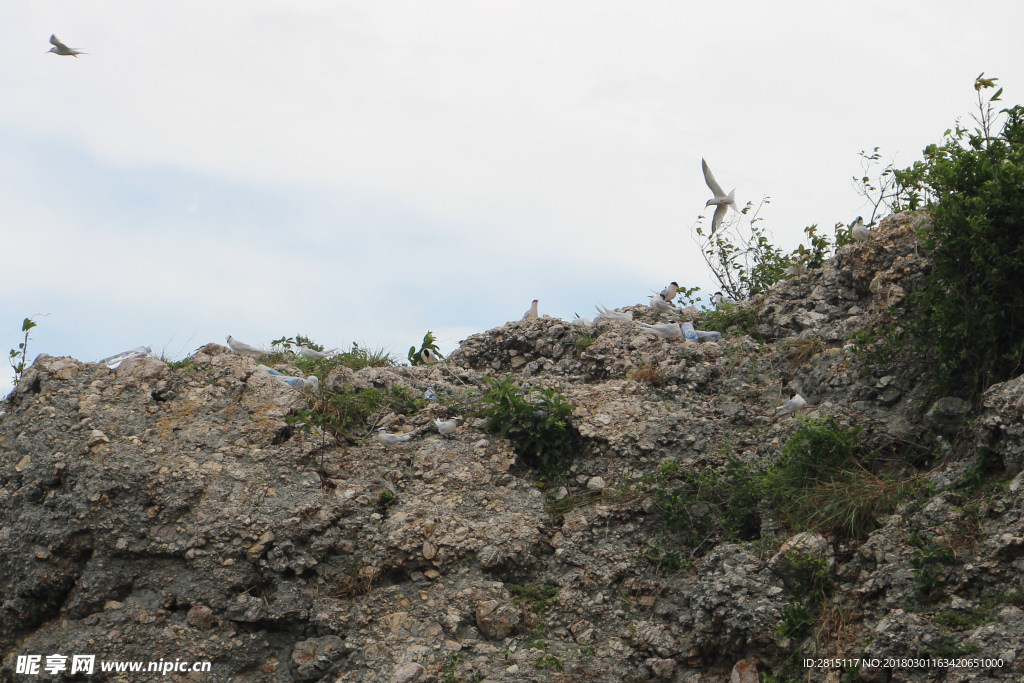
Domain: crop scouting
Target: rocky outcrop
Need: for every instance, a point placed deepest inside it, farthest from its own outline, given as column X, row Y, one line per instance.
column 178, row 512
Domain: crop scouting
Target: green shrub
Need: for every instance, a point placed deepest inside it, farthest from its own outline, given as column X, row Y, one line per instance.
column 819, row 482
column 967, row 318
column 538, row 429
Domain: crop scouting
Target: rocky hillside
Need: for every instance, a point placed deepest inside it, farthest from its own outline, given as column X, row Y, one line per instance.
column 166, row 513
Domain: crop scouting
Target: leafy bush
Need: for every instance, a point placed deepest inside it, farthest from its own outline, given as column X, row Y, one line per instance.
column 819, row 482
column 538, row 429
column 344, row 414
column 967, row 318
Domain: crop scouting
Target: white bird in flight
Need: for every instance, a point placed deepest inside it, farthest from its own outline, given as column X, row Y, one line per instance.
column 532, row 313
column 666, row 331
column 62, row 49
column 447, row 428
column 242, row 347
column 669, row 293
column 660, row 305
column 389, row 440
column 614, row 316
column 792, row 405
column 722, row 200
column 428, row 356
column 859, row 232
column 307, row 352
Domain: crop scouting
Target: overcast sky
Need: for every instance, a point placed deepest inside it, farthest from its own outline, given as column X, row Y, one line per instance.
column 368, row 171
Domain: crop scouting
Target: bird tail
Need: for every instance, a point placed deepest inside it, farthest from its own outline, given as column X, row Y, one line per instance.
column 730, row 199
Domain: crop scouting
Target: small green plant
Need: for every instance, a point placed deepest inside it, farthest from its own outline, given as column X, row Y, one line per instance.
column 535, row 596
column 538, row 429
column 451, row 661
column 548, row 662
column 582, row 339
column 416, row 357
column 19, row 356
column 812, row 585
column 731, row 320
column 927, row 563
column 385, row 501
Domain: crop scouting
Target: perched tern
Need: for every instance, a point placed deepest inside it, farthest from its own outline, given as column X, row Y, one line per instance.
column 447, row 428
column 532, row 313
column 241, row 347
column 428, row 356
column 307, row 352
column 666, row 331
column 62, row 49
column 721, row 199
column 859, row 232
column 718, row 299
column 669, row 293
column 580, row 320
column 660, row 305
column 614, row 316
column 389, row 440
column 797, row 269
column 792, row 405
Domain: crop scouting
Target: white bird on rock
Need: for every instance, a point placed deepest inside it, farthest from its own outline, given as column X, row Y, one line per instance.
column 614, row 316
column 580, row 320
column 389, row 440
column 428, row 356
column 532, row 313
column 447, row 428
column 669, row 293
column 792, row 405
column 62, row 49
column 718, row 299
column 666, row 331
column 859, row 231
column 660, row 305
column 797, row 269
column 242, row 347
column 307, row 352
column 722, row 200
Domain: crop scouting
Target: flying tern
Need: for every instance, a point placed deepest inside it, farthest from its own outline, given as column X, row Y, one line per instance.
column 722, row 200
column 62, row 49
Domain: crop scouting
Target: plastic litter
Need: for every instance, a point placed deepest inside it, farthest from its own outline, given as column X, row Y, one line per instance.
column 117, row 359
column 699, row 335
column 430, row 394
column 311, row 382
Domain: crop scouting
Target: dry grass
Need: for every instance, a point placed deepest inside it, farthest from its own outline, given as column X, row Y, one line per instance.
column 648, row 374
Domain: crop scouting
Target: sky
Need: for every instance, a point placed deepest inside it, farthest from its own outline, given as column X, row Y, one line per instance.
column 365, row 172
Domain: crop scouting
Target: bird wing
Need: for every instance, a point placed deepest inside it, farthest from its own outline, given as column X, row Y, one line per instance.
column 716, row 220
column 710, row 180
column 56, row 42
